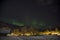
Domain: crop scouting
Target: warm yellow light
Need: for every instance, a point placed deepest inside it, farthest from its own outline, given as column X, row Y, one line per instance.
column 12, row 34
column 58, row 34
column 22, row 34
column 27, row 34
column 16, row 32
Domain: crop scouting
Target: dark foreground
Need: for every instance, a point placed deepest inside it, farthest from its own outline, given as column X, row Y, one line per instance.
column 43, row 37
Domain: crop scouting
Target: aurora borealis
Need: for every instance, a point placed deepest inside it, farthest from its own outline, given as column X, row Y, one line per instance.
column 37, row 13
column 21, row 23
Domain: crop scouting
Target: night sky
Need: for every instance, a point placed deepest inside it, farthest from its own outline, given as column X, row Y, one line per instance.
column 42, row 11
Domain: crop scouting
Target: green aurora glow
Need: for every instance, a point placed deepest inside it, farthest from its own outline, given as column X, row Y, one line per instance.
column 14, row 22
